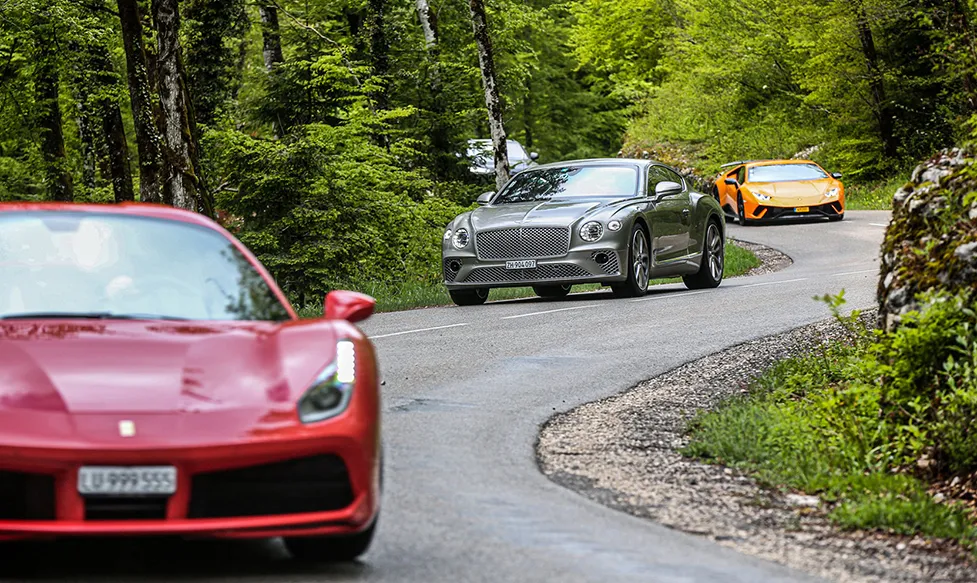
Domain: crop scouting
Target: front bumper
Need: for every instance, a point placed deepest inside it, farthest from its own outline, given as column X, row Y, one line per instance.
column 576, row 267
column 770, row 212
column 312, row 485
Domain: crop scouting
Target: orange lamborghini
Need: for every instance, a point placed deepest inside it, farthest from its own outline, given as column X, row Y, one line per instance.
column 758, row 190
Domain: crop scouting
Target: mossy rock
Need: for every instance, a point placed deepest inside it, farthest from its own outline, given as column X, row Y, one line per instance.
column 931, row 243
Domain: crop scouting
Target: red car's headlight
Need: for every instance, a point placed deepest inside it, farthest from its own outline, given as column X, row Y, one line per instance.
column 332, row 390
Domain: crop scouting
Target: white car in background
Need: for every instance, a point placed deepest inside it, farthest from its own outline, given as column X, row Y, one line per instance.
column 482, row 157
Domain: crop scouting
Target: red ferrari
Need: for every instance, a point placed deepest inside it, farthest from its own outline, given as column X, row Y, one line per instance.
column 155, row 380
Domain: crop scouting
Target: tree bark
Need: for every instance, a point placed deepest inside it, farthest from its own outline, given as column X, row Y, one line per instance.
column 47, row 84
column 180, row 186
column 271, row 37
column 493, row 102
column 149, row 142
column 88, row 149
column 379, row 50
column 118, row 147
column 882, row 107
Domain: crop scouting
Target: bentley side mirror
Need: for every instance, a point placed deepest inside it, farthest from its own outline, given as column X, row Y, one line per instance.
column 485, row 198
column 731, row 182
column 836, row 175
column 534, row 156
column 348, row 305
column 667, row 188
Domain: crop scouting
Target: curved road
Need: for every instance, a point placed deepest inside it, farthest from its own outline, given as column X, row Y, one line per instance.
column 466, row 390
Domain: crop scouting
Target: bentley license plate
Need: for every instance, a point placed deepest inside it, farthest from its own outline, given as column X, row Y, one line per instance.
column 138, row 480
column 527, row 264
column 802, row 209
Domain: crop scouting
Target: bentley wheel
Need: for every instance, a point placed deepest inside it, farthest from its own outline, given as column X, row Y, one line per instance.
column 469, row 297
column 710, row 272
column 639, row 266
column 552, row 291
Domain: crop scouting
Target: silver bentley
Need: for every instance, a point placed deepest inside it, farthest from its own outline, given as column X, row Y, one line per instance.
column 616, row 222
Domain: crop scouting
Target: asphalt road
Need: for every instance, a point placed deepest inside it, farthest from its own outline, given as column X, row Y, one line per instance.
column 466, row 390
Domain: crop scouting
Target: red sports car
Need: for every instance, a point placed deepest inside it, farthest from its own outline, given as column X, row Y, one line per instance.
column 155, row 380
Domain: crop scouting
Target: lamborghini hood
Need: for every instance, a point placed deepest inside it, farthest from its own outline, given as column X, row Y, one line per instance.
column 804, row 192
column 141, row 368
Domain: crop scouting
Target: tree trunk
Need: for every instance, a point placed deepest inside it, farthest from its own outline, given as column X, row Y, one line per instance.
column 493, row 102
column 271, row 37
column 88, row 149
column 880, row 103
column 118, row 147
column 379, row 50
column 180, row 187
column 47, row 84
column 149, row 143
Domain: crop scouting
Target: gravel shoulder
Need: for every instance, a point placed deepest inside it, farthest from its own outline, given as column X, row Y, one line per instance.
column 623, row 452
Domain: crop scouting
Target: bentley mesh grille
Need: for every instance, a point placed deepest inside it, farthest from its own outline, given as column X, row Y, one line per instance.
column 611, row 267
column 449, row 274
column 540, row 273
column 528, row 242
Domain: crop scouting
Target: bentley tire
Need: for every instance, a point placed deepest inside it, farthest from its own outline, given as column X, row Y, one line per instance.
column 552, row 291
column 469, row 297
column 710, row 272
column 639, row 266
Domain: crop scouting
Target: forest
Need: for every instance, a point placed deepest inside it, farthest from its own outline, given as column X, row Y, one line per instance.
column 328, row 135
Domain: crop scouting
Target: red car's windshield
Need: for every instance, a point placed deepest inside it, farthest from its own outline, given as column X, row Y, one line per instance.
column 74, row 264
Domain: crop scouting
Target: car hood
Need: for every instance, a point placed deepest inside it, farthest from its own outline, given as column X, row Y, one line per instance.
column 557, row 212
column 141, row 367
column 809, row 191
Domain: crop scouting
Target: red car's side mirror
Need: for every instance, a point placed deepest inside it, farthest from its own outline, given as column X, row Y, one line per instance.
column 347, row 305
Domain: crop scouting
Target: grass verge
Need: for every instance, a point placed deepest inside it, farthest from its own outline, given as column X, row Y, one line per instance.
column 817, row 424
column 874, row 196
column 411, row 295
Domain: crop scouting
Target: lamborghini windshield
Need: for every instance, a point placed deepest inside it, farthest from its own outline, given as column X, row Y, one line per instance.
column 91, row 265
column 570, row 181
column 786, row 173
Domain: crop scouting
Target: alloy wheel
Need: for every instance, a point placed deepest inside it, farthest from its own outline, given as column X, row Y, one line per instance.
column 641, row 258
column 714, row 243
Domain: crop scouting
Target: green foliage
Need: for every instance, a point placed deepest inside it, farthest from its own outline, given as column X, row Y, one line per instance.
column 864, row 421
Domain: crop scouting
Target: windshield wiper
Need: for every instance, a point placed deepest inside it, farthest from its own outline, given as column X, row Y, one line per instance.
column 86, row 316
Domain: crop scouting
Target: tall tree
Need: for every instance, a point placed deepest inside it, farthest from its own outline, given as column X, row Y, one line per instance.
column 493, row 101
column 149, row 142
column 881, row 106
column 47, row 84
column 271, row 36
column 211, row 59
column 181, row 187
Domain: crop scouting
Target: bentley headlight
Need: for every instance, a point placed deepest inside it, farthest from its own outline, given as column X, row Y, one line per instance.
column 331, row 391
column 614, row 225
column 591, row 231
column 461, row 239
column 833, row 193
column 761, row 196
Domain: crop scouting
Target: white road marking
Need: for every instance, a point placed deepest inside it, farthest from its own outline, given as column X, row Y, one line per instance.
column 855, row 272
column 773, row 282
column 879, row 225
column 673, row 295
column 549, row 312
column 418, row 330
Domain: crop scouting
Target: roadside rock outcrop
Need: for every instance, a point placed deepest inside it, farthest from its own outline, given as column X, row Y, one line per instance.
column 931, row 243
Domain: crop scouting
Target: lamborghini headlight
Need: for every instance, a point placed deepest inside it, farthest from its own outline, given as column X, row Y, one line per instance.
column 761, row 196
column 833, row 193
column 332, row 390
